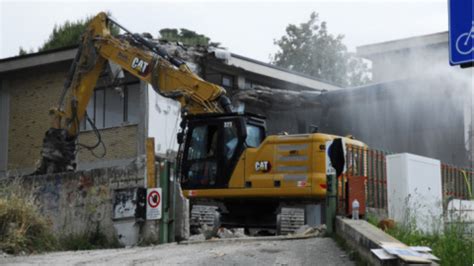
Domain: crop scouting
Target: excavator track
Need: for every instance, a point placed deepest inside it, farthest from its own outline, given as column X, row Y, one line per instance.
column 204, row 215
column 290, row 219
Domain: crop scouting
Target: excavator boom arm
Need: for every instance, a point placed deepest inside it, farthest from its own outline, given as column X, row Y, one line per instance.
column 140, row 57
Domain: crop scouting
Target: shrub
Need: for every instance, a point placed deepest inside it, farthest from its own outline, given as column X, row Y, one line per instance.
column 22, row 227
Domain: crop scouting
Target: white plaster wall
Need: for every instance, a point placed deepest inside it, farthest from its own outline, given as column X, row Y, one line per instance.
column 163, row 122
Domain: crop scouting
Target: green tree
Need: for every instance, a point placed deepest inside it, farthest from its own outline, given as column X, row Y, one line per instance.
column 22, row 51
column 310, row 49
column 67, row 34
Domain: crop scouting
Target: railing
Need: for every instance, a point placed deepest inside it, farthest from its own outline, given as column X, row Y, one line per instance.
column 371, row 164
column 457, row 182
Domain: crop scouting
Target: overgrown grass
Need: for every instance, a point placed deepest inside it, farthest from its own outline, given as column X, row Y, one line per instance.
column 371, row 218
column 22, row 228
column 453, row 246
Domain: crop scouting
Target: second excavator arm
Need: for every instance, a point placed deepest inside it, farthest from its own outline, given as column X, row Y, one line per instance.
column 140, row 57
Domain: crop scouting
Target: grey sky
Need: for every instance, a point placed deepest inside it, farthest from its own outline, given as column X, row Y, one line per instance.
column 246, row 28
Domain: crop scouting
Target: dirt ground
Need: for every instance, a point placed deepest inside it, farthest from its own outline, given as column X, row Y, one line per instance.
column 312, row 251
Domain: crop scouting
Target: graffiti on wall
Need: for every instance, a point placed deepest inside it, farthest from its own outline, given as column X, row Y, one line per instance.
column 49, row 194
column 124, row 203
column 81, row 201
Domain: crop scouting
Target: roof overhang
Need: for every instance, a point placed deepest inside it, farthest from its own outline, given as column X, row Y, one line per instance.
column 248, row 64
column 37, row 59
column 275, row 72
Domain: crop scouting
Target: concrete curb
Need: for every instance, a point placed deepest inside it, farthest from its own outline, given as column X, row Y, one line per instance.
column 362, row 236
column 249, row 239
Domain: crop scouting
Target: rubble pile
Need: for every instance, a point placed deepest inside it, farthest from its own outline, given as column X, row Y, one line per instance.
column 307, row 230
column 267, row 97
column 207, row 233
column 192, row 55
column 257, row 95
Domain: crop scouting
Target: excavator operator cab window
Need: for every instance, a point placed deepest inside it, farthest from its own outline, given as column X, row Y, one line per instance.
column 255, row 135
column 202, row 155
column 231, row 139
column 212, row 150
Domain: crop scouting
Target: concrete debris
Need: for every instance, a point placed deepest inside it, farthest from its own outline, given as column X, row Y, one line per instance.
column 230, row 233
column 196, row 57
column 307, row 230
column 207, row 233
column 193, row 55
column 268, row 97
column 3, row 254
column 220, row 53
column 225, row 233
column 239, row 232
column 199, row 237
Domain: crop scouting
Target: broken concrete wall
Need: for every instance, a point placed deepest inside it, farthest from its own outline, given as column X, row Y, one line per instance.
column 84, row 201
column 290, row 111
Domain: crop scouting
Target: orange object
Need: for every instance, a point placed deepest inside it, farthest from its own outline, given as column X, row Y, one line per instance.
column 356, row 190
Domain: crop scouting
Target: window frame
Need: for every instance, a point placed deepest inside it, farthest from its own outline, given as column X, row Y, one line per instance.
column 84, row 124
column 231, row 79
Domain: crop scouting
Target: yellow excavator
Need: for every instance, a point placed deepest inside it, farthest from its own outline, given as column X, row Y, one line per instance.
column 227, row 163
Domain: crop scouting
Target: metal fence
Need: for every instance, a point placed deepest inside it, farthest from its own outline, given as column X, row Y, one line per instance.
column 371, row 164
column 457, row 182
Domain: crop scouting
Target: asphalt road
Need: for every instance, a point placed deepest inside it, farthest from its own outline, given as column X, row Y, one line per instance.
column 312, row 251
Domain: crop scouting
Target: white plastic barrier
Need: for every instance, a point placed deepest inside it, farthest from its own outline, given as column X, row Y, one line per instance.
column 461, row 212
column 414, row 192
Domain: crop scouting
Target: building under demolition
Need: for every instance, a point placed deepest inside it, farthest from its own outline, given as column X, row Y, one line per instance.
column 391, row 114
column 126, row 112
column 422, row 108
column 104, row 192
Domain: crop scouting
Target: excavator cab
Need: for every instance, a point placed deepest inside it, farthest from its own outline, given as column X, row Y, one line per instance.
column 213, row 146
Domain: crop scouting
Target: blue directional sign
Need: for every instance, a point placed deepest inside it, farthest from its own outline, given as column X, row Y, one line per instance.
column 461, row 32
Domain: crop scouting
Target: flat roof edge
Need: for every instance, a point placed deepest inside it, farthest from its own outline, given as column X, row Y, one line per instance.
column 282, row 69
column 401, row 44
column 37, row 59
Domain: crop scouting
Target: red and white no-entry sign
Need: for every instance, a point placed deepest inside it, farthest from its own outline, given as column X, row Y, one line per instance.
column 153, row 206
